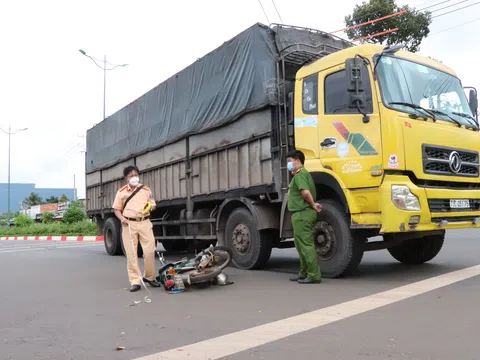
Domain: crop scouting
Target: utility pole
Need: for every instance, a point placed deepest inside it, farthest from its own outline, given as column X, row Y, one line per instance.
column 10, row 133
column 104, row 84
column 104, row 68
column 74, row 189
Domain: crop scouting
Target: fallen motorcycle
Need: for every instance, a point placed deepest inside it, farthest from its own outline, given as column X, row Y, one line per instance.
column 203, row 269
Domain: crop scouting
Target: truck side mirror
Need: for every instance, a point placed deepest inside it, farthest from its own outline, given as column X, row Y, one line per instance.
column 473, row 101
column 356, row 96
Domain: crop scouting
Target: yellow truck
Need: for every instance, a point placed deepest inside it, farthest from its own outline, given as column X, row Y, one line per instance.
column 390, row 138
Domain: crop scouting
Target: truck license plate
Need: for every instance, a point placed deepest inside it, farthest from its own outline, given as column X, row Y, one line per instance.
column 459, row 204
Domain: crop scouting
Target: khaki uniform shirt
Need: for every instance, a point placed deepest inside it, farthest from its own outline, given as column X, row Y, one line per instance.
column 136, row 204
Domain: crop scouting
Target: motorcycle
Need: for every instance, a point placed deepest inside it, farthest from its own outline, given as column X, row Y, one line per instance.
column 203, row 269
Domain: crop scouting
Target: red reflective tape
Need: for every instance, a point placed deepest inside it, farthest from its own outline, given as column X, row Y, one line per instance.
column 49, row 238
column 80, row 238
column 37, row 237
column 63, row 238
column 99, row 238
column 25, row 238
column 15, row 238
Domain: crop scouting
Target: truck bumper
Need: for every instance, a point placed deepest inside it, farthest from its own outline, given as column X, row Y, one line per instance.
column 435, row 212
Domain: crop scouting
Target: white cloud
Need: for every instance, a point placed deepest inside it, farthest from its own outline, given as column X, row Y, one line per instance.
column 49, row 87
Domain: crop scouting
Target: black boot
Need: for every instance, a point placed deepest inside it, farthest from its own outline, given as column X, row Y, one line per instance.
column 152, row 283
column 135, row 287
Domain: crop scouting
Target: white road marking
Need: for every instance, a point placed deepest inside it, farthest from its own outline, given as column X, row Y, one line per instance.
column 20, row 250
column 43, row 246
column 236, row 342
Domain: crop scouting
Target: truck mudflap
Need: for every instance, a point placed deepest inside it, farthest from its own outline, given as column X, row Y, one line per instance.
column 407, row 207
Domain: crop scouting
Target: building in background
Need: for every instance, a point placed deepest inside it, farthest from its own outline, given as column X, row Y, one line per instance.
column 18, row 193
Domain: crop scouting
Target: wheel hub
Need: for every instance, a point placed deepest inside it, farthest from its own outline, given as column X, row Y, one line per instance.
column 325, row 240
column 241, row 238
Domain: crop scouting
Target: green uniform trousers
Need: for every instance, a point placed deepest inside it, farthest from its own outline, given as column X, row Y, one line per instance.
column 303, row 222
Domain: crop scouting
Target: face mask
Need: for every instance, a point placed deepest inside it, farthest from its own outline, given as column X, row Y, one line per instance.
column 290, row 166
column 134, row 181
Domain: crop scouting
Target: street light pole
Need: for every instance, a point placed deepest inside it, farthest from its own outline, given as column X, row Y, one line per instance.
column 9, row 146
column 10, row 133
column 104, row 83
column 104, row 68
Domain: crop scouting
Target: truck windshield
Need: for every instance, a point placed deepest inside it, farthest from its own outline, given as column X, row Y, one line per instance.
column 412, row 86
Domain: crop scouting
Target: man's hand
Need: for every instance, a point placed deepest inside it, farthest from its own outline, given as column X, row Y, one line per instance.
column 318, row 207
column 120, row 217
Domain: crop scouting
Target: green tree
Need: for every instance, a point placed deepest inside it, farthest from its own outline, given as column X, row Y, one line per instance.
column 73, row 215
column 413, row 26
column 63, row 198
column 32, row 200
column 23, row 220
column 6, row 216
column 76, row 203
column 52, row 200
column 48, row 217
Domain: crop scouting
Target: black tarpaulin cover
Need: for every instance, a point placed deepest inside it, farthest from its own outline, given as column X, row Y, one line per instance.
column 215, row 90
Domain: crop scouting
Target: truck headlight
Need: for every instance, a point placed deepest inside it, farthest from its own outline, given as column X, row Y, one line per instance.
column 403, row 198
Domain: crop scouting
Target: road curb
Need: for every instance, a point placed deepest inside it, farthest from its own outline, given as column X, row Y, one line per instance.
column 54, row 238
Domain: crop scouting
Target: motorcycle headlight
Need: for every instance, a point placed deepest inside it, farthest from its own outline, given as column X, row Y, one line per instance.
column 403, row 198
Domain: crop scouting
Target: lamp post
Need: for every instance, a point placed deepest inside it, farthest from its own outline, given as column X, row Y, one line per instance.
column 104, row 68
column 10, row 133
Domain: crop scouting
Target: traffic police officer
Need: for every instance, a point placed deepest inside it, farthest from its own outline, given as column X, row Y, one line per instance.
column 136, row 226
column 301, row 203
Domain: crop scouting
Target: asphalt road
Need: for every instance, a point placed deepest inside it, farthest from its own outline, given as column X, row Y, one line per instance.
column 70, row 301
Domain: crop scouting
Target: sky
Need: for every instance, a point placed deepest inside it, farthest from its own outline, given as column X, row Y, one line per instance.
column 49, row 87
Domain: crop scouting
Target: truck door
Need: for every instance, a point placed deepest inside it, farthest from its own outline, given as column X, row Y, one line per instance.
column 348, row 146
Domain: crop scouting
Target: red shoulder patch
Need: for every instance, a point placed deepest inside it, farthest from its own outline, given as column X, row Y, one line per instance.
column 146, row 188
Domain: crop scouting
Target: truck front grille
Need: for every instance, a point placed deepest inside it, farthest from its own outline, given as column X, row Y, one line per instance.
column 445, row 161
column 443, row 205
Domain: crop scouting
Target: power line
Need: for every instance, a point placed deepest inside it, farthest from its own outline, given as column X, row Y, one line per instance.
column 454, row 27
column 275, row 6
column 264, row 11
column 440, row 3
column 449, row 6
column 452, row 11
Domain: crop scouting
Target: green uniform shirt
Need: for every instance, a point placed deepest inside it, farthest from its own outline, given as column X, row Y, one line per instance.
column 302, row 180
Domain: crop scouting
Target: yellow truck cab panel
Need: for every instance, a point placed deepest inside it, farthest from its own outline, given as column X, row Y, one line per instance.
column 399, row 152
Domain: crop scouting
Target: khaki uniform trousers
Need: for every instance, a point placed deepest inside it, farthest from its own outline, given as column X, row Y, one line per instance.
column 139, row 231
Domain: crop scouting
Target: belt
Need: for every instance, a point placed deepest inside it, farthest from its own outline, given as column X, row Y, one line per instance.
column 138, row 219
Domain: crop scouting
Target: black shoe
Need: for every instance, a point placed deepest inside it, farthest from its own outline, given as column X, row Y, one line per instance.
column 309, row 281
column 151, row 282
column 296, row 278
column 135, row 287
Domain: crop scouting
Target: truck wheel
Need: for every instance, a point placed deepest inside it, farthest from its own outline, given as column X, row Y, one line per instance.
column 339, row 253
column 250, row 248
column 112, row 233
column 418, row 251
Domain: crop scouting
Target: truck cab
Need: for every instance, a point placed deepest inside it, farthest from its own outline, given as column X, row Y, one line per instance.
column 393, row 144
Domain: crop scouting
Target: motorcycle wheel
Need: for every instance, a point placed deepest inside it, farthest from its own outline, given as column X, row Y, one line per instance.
column 208, row 274
column 228, row 260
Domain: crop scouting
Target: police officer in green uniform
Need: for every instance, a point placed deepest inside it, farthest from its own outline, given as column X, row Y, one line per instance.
column 301, row 203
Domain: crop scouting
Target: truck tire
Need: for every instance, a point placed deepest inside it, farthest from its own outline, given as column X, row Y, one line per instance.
column 339, row 253
column 112, row 232
column 251, row 249
column 418, row 251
